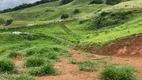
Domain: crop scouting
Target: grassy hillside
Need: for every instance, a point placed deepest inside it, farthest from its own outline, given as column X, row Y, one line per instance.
column 52, row 11
column 121, row 18
column 96, row 24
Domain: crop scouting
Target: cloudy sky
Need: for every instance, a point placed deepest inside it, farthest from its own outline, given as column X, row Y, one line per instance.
column 4, row 4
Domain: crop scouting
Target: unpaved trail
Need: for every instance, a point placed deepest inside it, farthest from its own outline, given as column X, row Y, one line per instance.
column 19, row 63
column 71, row 71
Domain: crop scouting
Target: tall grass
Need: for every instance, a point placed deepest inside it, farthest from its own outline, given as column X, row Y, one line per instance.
column 114, row 72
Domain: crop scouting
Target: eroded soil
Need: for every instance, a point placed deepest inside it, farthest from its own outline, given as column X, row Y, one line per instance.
column 71, row 71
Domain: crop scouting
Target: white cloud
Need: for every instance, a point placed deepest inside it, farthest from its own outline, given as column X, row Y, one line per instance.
column 4, row 4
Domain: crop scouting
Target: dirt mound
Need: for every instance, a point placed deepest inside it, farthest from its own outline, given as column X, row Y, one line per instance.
column 131, row 46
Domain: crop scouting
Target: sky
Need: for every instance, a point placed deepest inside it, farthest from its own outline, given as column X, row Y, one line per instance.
column 4, row 4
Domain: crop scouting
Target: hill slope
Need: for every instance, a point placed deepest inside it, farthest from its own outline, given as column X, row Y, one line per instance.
column 98, row 28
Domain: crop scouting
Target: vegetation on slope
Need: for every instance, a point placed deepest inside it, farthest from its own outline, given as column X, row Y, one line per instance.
column 43, row 44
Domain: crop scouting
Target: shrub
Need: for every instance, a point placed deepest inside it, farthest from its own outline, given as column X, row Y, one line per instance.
column 112, row 19
column 2, row 21
column 47, row 69
column 82, row 21
column 13, row 54
column 76, row 11
column 113, row 72
column 88, row 66
column 8, row 22
column 96, row 2
column 65, row 1
column 6, row 65
column 64, row 16
column 112, row 2
column 34, row 61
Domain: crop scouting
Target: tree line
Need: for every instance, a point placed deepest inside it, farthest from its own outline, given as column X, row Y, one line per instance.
column 26, row 5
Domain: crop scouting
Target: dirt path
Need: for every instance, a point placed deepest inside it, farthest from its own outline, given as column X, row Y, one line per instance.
column 19, row 64
column 71, row 71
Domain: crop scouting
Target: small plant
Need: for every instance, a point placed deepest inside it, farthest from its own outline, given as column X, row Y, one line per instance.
column 90, row 55
column 64, row 16
column 113, row 72
column 88, row 66
column 47, row 69
column 14, row 54
column 6, row 65
column 34, row 61
column 73, row 61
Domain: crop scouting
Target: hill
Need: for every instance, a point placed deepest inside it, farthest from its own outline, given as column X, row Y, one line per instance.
column 112, row 33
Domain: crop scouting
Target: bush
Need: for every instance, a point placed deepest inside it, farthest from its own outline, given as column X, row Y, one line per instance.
column 76, row 11
column 96, row 2
column 14, row 54
column 112, row 2
column 2, row 21
column 65, row 1
column 8, row 22
column 34, row 61
column 47, row 69
column 88, row 66
column 82, row 21
column 113, row 72
column 112, row 19
column 6, row 65
column 64, row 16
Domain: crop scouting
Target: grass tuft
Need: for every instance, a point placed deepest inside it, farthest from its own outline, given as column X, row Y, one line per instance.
column 34, row 62
column 73, row 61
column 113, row 72
column 14, row 54
column 7, row 65
column 47, row 69
column 88, row 66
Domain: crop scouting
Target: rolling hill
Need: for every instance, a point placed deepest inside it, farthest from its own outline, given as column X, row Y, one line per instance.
column 113, row 32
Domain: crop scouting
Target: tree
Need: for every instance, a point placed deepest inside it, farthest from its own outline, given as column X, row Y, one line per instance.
column 8, row 22
column 64, row 16
column 76, row 11
column 65, row 1
column 112, row 2
column 26, row 5
column 96, row 2
column 2, row 21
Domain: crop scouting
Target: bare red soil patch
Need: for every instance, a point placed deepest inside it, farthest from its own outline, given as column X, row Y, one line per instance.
column 19, row 58
column 19, row 63
column 71, row 71
column 126, row 47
